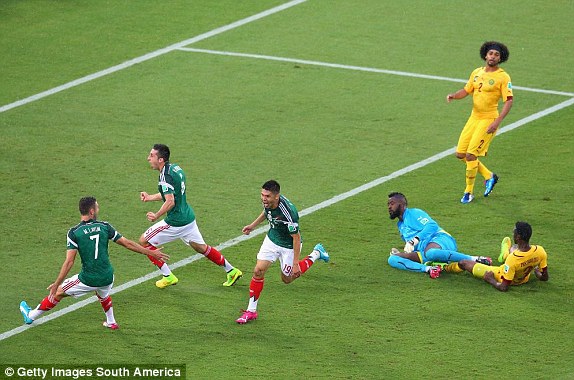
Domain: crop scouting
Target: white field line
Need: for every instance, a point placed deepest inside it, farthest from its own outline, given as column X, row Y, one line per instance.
column 358, row 68
column 307, row 211
column 151, row 55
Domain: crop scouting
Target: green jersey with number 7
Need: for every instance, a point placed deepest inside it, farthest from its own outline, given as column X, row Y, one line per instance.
column 90, row 239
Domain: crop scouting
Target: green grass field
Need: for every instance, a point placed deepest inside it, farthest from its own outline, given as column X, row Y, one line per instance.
column 233, row 122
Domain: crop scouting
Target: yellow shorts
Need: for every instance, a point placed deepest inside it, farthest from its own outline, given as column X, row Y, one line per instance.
column 473, row 138
column 480, row 269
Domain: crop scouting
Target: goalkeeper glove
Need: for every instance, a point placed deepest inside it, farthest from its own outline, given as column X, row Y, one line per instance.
column 410, row 245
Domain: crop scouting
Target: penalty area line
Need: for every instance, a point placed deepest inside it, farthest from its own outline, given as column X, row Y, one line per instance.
column 151, row 55
column 356, row 68
column 307, row 211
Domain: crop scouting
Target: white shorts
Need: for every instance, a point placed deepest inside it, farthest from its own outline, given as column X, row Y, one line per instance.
column 270, row 251
column 161, row 233
column 75, row 288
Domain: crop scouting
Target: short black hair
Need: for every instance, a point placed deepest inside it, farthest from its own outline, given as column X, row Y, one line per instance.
column 401, row 196
column 524, row 230
column 272, row 186
column 162, row 151
column 499, row 46
column 86, row 204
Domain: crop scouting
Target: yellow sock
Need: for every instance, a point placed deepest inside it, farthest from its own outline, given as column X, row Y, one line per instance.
column 478, row 270
column 471, row 170
column 483, row 170
column 453, row 268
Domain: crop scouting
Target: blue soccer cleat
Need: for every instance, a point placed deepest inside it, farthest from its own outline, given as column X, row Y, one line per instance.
column 466, row 198
column 323, row 255
column 489, row 184
column 25, row 310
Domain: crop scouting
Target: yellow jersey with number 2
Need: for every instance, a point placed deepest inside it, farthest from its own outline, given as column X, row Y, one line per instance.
column 519, row 265
column 487, row 88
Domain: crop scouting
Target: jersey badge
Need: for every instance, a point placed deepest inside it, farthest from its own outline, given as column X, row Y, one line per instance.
column 292, row 227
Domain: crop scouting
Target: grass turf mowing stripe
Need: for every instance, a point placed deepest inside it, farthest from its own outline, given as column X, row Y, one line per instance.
column 358, row 68
column 307, row 211
column 153, row 54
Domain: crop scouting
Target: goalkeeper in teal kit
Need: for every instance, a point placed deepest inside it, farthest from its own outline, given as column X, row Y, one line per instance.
column 425, row 241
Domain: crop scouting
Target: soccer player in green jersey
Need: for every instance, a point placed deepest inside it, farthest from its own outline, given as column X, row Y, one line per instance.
column 179, row 222
column 90, row 239
column 283, row 242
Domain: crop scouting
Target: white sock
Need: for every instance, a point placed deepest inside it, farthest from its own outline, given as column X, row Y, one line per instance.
column 252, row 304
column 314, row 255
column 227, row 266
column 165, row 270
column 34, row 314
column 110, row 316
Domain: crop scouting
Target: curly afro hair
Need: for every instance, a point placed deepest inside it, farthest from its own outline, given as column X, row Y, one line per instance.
column 494, row 45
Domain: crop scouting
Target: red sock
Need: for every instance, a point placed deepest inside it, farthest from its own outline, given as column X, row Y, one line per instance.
column 106, row 302
column 48, row 303
column 157, row 262
column 305, row 264
column 214, row 255
column 255, row 288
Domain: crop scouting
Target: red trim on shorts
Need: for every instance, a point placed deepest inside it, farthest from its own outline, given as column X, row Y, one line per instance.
column 69, row 285
column 153, row 233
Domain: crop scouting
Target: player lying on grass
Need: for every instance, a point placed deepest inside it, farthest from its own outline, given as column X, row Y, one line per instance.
column 519, row 261
column 90, row 239
column 424, row 240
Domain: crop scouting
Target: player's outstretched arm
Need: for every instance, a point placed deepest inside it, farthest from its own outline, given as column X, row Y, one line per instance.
column 145, row 197
column 457, row 95
column 250, row 227
column 502, row 286
column 133, row 246
column 66, row 267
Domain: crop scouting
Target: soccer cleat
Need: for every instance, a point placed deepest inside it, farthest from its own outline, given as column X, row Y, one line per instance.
column 442, row 266
column 25, row 310
column 246, row 317
column 466, row 198
column 166, row 281
column 489, row 184
column 394, row 251
column 111, row 326
column 323, row 255
column 434, row 272
column 232, row 277
column 504, row 249
column 484, row 260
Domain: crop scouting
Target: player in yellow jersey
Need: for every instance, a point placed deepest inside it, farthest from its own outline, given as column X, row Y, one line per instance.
column 519, row 261
column 487, row 85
